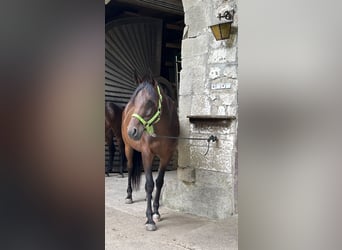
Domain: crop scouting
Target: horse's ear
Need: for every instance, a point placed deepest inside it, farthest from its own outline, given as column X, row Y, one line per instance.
column 137, row 78
column 150, row 77
column 155, row 82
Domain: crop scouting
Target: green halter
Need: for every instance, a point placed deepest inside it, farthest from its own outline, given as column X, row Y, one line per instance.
column 154, row 119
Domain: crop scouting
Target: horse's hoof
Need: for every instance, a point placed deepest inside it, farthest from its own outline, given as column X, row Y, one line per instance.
column 107, row 174
column 120, row 176
column 151, row 227
column 128, row 201
column 156, row 217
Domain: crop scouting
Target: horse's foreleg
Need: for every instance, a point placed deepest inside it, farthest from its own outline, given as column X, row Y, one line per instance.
column 150, row 224
column 129, row 156
column 129, row 199
column 159, row 185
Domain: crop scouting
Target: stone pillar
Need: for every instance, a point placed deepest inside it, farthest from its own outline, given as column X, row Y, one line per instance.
column 205, row 184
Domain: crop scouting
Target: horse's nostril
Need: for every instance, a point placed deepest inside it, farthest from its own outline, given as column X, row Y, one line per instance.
column 133, row 132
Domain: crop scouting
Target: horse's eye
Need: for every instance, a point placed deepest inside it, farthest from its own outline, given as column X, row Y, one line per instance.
column 149, row 107
column 149, row 112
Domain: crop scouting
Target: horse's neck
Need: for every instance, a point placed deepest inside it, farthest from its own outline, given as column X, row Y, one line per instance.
column 169, row 111
column 166, row 106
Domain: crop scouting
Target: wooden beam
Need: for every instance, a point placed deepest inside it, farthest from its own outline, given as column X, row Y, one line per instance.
column 173, row 45
column 174, row 27
column 170, row 6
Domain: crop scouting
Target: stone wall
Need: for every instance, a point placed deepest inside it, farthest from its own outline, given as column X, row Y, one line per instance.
column 205, row 184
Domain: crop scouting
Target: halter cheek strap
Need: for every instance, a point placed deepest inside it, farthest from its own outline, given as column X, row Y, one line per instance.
column 154, row 119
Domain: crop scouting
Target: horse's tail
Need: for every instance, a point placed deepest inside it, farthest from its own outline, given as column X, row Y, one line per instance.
column 136, row 171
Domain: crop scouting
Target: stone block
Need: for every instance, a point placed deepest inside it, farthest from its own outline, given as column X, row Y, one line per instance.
column 186, row 49
column 213, row 197
column 200, row 45
column 195, row 19
column 226, row 142
column 185, row 104
column 230, row 71
column 184, row 156
column 191, row 62
column 200, row 105
column 214, row 72
column 221, row 110
column 233, row 127
column 187, row 4
column 221, row 101
column 186, row 174
column 185, row 87
column 219, row 4
column 222, row 55
column 217, row 159
column 195, row 46
column 232, row 110
column 214, row 179
column 228, row 99
column 201, row 87
column 184, row 126
column 193, row 80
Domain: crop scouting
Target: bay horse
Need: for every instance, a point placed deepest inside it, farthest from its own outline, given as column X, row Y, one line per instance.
column 113, row 119
column 148, row 121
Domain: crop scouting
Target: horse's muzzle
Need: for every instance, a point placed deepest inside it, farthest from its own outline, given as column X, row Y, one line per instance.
column 134, row 133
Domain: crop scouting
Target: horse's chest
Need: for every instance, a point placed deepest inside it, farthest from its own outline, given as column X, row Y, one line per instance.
column 162, row 147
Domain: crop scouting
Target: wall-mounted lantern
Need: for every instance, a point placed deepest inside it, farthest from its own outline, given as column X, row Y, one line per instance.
column 221, row 31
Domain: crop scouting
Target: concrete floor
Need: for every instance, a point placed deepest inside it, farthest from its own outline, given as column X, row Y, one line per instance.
column 125, row 229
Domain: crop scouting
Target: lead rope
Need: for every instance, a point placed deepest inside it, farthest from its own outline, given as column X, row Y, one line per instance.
column 212, row 138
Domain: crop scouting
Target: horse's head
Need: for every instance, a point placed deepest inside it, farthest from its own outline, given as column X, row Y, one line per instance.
column 146, row 107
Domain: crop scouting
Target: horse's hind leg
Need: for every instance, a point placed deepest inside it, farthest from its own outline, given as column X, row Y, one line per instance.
column 111, row 149
column 159, row 185
column 122, row 156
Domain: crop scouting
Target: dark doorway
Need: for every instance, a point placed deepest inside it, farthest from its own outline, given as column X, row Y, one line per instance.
column 142, row 35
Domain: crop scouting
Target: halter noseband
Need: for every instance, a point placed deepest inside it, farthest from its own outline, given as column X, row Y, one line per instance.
column 154, row 119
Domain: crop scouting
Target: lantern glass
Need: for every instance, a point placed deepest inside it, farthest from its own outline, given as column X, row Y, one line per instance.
column 221, row 31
